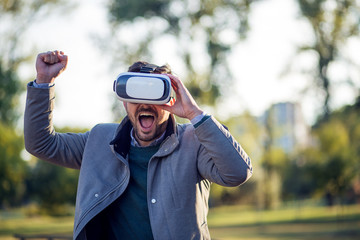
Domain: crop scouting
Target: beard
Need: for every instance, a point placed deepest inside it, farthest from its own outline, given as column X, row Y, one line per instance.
column 149, row 137
column 147, row 125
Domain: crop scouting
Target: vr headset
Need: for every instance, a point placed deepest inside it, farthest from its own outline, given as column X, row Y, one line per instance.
column 143, row 87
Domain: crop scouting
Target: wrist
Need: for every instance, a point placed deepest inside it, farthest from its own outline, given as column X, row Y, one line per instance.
column 194, row 114
column 43, row 79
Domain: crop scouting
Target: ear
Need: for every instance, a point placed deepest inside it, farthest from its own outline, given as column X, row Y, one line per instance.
column 125, row 105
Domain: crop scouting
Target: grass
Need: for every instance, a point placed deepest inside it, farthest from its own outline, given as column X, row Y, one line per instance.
column 305, row 223
column 227, row 223
column 15, row 222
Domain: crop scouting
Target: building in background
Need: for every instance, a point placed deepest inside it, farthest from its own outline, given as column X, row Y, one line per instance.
column 286, row 127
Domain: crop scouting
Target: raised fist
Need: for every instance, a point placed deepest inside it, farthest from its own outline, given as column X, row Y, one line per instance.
column 49, row 65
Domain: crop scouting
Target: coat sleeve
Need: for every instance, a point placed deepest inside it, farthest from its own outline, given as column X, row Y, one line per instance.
column 41, row 139
column 221, row 158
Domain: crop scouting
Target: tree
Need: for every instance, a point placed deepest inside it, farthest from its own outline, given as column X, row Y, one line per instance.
column 329, row 167
column 12, row 168
column 202, row 33
column 335, row 169
column 51, row 186
column 333, row 23
column 10, row 89
column 15, row 17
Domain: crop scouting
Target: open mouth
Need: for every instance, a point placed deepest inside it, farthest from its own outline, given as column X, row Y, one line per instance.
column 146, row 120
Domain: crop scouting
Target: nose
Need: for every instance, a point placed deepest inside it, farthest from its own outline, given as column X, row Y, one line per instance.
column 143, row 106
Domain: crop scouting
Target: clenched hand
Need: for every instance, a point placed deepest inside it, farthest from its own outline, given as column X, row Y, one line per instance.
column 50, row 65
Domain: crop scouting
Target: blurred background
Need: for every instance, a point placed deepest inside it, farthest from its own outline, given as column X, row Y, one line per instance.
column 282, row 75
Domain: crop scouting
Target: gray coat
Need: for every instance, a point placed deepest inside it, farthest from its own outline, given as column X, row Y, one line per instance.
column 179, row 174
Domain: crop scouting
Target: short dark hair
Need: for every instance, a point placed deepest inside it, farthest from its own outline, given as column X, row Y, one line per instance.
column 164, row 69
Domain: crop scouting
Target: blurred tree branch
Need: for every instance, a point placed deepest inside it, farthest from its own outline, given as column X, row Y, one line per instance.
column 333, row 23
column 16, row 16
column 200, row 33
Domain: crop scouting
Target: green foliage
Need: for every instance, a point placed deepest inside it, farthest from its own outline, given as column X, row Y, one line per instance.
column 213, row 25
column 274, row 159
column 16, row 16
column 329, row 167
column 12, row 168
column 326, row 169
column 17, row 6
column 337, row 166
column 53, row 187
column 10, row 89
column 298, row 178
column 128, row 9
column 244, row 194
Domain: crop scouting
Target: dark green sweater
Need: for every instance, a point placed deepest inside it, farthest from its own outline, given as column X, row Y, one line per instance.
column 128, row 215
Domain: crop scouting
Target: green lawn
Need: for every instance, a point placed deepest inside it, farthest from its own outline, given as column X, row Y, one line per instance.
column 228, row 223
column 34, row 225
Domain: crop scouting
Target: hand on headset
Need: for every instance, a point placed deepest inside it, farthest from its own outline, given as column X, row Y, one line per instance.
column 185, row 105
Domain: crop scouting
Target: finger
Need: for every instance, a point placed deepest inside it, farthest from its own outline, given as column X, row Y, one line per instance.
column 47, row 57
column 42, row 55
column 61, row 56
column 178, row 85
column 176, row 81
column 54, row 57
column 50, row 57
column 173, row 82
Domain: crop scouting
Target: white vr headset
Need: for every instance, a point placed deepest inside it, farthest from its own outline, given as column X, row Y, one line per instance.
column 143, row 87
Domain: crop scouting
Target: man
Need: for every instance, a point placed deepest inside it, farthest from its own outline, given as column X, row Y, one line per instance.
column 145, row 178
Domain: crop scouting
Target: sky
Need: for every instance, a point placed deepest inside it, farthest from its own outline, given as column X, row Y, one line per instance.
column 84, row 91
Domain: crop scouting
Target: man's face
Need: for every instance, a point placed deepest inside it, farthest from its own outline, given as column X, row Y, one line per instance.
column 148, row 121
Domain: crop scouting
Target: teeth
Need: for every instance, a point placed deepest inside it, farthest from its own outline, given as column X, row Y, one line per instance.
column 145, row 115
